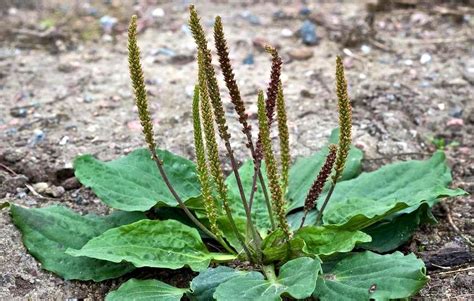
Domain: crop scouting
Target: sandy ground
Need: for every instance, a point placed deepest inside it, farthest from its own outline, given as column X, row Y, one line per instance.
column 65, row 91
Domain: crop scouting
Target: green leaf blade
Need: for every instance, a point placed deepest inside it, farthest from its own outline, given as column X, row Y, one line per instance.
column 364, row 276
column 151, row 243
column 133, row 183
column 204, row 285
column 327, row 241
column 48, row 232
column 392, row 188
column 145, row 290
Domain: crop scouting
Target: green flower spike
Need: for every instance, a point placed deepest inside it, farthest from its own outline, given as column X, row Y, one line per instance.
column 345, row 119
column 138, row 83
column 272, row 170
column 202, row 168
column 284, row 138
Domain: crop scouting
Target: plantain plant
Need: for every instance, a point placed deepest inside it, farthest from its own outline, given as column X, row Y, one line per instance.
column 317, row 228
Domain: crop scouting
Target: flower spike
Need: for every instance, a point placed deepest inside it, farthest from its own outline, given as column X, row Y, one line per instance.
column 272, row 90
column 223, row 53
column 283, row 137
column 138, row 83
column 345, row 119
column 202, row 168
column 272, row 171
column 318, row 184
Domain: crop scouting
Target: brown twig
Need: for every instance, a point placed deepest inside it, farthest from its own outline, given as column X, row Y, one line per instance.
column 453, row 225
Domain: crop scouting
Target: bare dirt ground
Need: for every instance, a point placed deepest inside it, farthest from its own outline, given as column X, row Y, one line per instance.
column 64, row 91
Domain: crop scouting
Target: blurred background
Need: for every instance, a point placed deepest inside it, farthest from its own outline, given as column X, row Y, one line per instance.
column 64, row 91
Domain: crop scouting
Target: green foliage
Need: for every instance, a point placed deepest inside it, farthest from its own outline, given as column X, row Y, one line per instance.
column 369, row 276
column 297, row 278
column 152, row 243
column 48, row 232
column 146, row 290
column 172, row 218
column 362, row 201
column 204, row 285
column 132, row 183
column 328, row 241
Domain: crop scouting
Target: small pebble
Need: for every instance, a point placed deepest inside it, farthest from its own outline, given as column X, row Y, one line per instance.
column 301, row 54
column 456, row 112
column 425, row 58
column 251, row 18
column 107, row 23
column 38, row 136
column 286, row 33
column 305, row 11
column 158, row 12
column 64, row 140
column 308, row 33
column 455, row 122
column 18, row 112
column 40, row 187
column 249, row 60
column 365, row 49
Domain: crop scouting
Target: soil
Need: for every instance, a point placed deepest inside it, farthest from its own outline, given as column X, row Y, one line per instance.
column 64, row 91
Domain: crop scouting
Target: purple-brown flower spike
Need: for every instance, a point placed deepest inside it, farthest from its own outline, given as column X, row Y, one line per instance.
column 318, row 184
column 224, row 61
column 345, row 119
column 272, row 90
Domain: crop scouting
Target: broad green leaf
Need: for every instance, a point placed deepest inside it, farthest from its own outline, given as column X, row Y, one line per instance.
column 48, row 232
column 305, row 170
column 390, row 189
column 229, row 234
column 143, row 290
column 370, row 276
column 205, row 284
column 152, row 243
column 297, row 278
column 276, row 248
column 294, row 219
column 356, row 214
column 133, row 183
column 259, row 208
column 390, row 233
column 327, row 241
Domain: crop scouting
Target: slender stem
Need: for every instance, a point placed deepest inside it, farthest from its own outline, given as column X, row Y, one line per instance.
column 181, row 204
column 303, row 219
column 262, row 183
column 320, row 213
column 258, row 172
column 237, row 233
column 269, row 271
column 250, row 224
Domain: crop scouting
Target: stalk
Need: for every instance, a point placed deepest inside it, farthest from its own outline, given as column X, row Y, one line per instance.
column 318, row 184
column 272, row 170
column 345, row 131
column 141, row 100
column 239, row 106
